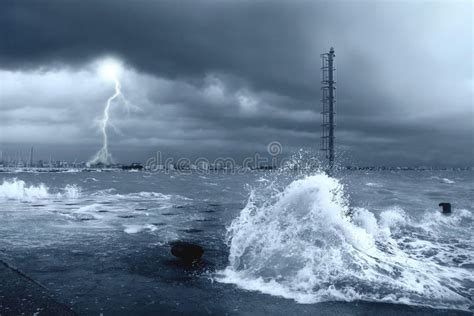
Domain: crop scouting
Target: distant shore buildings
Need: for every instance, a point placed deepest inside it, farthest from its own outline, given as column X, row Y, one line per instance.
column 61, row 165
column 17, row 162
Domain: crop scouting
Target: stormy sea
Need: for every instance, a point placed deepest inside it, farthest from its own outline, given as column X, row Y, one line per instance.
column 354, row 243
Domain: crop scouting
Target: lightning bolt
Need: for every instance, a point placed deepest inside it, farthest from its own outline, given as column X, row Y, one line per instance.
column 103, row 156
column 109, row 71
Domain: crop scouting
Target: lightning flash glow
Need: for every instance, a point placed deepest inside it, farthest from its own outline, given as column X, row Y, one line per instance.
column 109, row 70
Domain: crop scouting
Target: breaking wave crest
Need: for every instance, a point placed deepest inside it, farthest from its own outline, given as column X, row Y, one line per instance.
column 110, row 193
column 18, row 190
column 14, row 189
column 299, row 243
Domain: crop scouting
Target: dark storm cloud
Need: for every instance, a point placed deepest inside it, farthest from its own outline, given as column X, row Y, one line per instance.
column 254, row 40
column 403, row 67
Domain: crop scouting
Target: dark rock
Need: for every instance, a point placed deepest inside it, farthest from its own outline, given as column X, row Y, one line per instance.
column 192, row 230
column 446, row 207
column 186, row 251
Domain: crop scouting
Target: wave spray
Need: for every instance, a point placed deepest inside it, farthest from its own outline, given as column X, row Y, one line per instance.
column 295, row 241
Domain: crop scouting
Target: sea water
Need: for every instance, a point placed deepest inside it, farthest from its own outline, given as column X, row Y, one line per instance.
column 274, row 242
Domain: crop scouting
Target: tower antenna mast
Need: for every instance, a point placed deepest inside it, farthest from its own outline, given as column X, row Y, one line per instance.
column 328, row 82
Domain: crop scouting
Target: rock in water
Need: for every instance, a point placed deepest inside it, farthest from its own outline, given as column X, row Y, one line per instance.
column 446, row 207
column 186, row 251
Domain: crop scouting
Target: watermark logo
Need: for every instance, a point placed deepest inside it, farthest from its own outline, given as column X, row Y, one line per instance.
column 274, row 148
column 226, row 165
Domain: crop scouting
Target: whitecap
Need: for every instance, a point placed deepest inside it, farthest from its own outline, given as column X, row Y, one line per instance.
column 448, row 181
column 15, row 189
column 372, row 184
column 18, row 190
column 133, row 229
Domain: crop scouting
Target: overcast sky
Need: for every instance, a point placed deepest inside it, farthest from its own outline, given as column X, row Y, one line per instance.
column 209, row 78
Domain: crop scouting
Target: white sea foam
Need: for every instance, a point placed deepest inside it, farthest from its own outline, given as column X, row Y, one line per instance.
column 435, row 221
column 155, row 195
column 71, row 191
column 133, row 229
column 15, row 189
column 146, row 195
column 372, row 184
column 443, row 180
column 18, row 190
column 298, row 244
column 448, row 181
column 392, row 217
column 91, row 179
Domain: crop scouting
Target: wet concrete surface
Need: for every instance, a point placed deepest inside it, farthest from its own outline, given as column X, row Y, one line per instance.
column 21, row 295
column 147, row 280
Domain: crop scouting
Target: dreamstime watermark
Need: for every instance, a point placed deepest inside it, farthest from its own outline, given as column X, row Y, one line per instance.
column 270, row 161
column 274, row 148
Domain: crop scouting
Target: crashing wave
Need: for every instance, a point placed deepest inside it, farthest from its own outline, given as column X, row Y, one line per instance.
column 297, row 243
column 15, row 189
column 18, row 190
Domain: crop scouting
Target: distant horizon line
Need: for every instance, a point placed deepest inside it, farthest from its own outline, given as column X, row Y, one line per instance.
column 173, row 166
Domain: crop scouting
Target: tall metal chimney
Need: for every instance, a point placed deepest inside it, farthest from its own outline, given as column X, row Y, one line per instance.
column 328, row 100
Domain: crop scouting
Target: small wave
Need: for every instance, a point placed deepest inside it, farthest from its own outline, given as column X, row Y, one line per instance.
column 436, row 221
column 72, row 170
column 133, row 229
column 71, row 191
column 90, row 179
column 443, row 180
column 448, row 181
column 104, row 193
column 146, row 195
column 155, row 195
column 393, row 217
column 372, row 184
